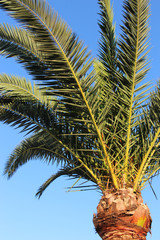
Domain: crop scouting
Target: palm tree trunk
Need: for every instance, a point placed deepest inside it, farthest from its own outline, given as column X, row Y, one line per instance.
column 122, row 215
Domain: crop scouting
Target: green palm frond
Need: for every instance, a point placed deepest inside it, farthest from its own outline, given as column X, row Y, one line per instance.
column 106, row 68
column 120, row 92
column 21, row 44
column 94, row 117
column 150, row 141
column 55, row 38
column 20, row 39
column 35, row 119
column 39, row 146
column 133, row 62
column 19, row 100
column 27, row 108
column 68, row 60
column 108, row 42
column 66, row 171
column 60, row 48
column 60, row 173
column 17, row 87
column 154, row 107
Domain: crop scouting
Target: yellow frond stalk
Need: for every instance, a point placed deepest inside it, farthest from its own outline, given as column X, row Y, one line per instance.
column 146, row 160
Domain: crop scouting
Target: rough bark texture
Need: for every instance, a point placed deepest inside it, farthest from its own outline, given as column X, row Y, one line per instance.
column 122, row 215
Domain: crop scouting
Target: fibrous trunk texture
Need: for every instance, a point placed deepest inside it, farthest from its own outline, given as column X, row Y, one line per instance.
column 122, row 215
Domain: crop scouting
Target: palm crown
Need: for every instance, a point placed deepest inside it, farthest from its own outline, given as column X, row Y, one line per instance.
column 93, row 117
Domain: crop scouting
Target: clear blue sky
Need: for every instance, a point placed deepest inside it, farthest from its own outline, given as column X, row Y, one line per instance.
column 60, row 215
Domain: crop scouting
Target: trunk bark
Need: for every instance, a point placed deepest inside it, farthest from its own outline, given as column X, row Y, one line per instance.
column 122, row 215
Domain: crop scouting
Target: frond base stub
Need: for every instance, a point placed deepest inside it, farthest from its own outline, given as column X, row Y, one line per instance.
column 123, row 215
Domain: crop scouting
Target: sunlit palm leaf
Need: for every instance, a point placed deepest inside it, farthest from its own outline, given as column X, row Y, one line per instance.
column 133, row 61
column 95, row 122
column 66, row 171
column 60, row 173
column 68, row 60
column 108, row 41
column 39, row 146
column 24, row 107
column 14, row 86
column 155, row 106
column 150, row 141
column 20, row 44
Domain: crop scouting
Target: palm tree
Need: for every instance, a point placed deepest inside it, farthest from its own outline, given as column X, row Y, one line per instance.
column 92, row 117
